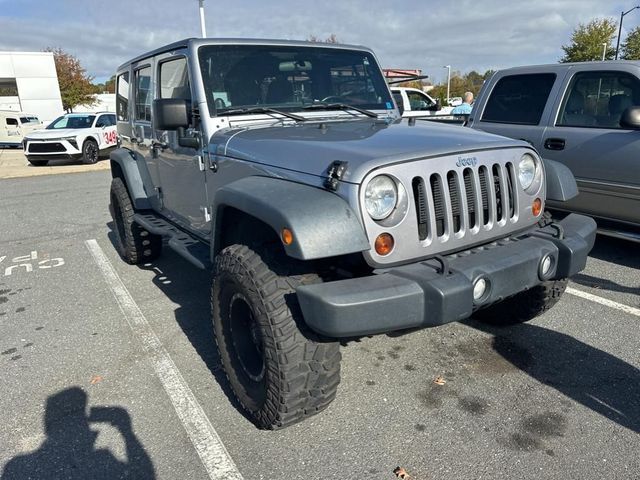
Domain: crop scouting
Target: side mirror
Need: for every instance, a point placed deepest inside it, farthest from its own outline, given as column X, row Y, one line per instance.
column 631, row 118
column 171, row 113
column 436, row 106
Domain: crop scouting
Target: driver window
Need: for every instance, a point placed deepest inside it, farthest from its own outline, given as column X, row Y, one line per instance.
column 597, row 99
column 419, row 101
column 174, row 79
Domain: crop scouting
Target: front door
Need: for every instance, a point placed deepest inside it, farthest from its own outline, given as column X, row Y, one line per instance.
column 180, row 169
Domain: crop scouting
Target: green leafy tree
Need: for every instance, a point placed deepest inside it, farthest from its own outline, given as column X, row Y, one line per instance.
column 76, row 87
column 587, row 41
column 631, row 47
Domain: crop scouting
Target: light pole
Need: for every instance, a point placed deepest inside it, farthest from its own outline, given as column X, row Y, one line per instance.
column 203, row 29
column 622, row 14
column 604, row 50
column 448, row 67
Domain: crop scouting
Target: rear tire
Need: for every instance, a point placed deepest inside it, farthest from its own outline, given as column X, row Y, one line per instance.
column 134, row 244
column 525, row 305
column 38, row 163
column 279, row 371
column 90, row 152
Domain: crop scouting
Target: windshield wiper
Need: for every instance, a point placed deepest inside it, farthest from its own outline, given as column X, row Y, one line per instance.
column 339, row 106
column 240, row 111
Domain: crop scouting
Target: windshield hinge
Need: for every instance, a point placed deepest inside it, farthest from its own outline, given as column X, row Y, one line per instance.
column 335, row 173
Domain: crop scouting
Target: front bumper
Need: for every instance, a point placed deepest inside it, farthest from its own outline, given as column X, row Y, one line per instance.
column 51, row 149
column 422, row 295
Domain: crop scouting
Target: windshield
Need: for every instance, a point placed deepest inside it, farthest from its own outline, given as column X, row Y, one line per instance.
column 289, row 78
column 73, row 121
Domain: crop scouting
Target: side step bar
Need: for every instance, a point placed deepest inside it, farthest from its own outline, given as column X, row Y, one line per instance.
column 181, row 242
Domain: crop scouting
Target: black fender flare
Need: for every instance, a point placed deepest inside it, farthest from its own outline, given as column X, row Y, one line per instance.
column 323, row 224
column 134, row 172
column 561, row 184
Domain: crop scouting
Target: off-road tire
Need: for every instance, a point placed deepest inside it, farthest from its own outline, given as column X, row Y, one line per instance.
column 134, row 244
column 38, row 163
column 300, row 372
column 524, row 306
column 90, row 152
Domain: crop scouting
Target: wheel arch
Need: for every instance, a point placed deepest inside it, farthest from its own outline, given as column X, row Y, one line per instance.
column 322, row 223
column 125, row 166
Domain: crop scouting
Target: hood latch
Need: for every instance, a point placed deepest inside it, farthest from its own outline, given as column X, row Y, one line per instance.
column 335, row 173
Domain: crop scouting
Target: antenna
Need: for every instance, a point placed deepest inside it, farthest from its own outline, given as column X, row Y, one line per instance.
column 203, row 29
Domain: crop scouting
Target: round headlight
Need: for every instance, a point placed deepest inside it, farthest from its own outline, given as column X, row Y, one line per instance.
column 526, row 171
column 380, row 197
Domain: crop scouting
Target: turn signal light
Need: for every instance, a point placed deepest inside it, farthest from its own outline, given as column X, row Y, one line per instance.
column 536, row 208
column 287, row 236
column 384, row 244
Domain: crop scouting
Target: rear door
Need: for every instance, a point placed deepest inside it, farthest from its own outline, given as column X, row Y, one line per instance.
column 585, row 134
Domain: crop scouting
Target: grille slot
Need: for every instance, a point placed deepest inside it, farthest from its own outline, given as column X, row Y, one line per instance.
column 438, row 203
column 454, row 195
column 420, row 196
column 472, row 209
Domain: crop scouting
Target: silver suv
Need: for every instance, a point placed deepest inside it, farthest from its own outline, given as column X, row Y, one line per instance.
column 285, row 168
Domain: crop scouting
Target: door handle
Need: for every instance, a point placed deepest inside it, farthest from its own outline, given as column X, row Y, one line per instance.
column 554, row 143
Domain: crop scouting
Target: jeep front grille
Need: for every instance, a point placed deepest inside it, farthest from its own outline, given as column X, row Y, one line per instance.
column 451, row 203
column 464, row 201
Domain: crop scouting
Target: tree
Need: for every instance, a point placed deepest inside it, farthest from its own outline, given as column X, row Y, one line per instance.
column 631, row 47
column 587, row 41
column 76, row 86
column 330, row 39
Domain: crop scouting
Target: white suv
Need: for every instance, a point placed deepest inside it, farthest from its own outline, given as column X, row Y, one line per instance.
column 73, row 136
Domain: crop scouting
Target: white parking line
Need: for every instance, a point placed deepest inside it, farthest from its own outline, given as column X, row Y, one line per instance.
column 604, row 301
column 205, row 439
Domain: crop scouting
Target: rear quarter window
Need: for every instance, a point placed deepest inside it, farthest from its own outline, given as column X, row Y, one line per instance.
column 519, row 99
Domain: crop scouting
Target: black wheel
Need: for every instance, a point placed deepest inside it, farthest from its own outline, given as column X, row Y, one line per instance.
column 134, row 244
column 38, row 163
column 525, row 305
column 90, row 152
column 279, row 371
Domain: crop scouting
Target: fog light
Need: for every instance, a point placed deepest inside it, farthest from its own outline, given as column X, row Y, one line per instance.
column 546, row 266
column 384, row 244
column 480, row 288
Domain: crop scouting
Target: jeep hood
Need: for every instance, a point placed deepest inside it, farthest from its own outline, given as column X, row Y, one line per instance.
column 366, row 144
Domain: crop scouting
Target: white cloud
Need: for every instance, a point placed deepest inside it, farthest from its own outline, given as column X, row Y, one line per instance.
column 466, row 34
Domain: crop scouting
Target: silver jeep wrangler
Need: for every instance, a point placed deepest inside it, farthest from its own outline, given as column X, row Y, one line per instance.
column 285, row 168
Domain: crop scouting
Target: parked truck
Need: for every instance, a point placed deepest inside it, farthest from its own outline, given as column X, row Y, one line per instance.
column 286, row 170
column 583, row 115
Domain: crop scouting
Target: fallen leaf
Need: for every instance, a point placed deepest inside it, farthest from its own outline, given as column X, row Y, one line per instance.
column 95, row 379
column 439, row 380
column 402, row 473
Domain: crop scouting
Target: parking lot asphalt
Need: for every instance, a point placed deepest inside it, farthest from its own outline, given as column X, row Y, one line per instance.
column 13, row 164
column 558, row 397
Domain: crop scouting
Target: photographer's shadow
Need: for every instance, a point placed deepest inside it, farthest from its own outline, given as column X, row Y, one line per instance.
column 69, row 451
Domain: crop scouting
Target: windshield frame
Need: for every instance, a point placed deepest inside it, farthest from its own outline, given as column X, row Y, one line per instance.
column 367, row 75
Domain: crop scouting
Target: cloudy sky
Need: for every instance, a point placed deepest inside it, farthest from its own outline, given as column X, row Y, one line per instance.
column 468, row 35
